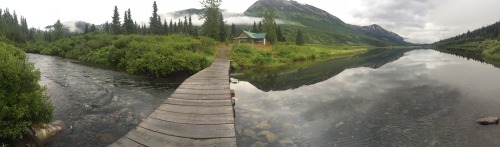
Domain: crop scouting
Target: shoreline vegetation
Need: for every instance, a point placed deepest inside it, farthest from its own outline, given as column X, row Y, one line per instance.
column 137, row 54
column 247, row 56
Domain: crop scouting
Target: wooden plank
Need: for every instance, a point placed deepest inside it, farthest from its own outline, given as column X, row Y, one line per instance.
column 202, row 92
column 195, row 119
column 207, row 103
column 154, row 139
column 125, row 142
column 196, row 109
column 189, row 131
column 204, row 87
column 200, row 96
column 200, row 82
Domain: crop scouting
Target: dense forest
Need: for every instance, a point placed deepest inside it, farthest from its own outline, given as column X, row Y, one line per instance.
column 483, row 42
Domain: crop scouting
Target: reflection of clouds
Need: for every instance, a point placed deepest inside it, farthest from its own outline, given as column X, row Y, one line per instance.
column 420, row 87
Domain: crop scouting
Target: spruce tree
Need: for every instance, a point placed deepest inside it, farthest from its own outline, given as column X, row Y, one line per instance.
column 223, row 29
column 233, row 30
column 86, row 28
column 115, row 25
column 154, row 22
column 260, row 29
column 186, row 25
column 190, row 27
column 58, row 32
column 93, row 28
column 171, row 27
column 254, row 28
column 269, row 26
column 300, row 38
column 165, row 27
column 211, row 25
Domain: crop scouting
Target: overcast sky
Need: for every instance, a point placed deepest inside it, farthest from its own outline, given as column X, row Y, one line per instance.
column 422, row 21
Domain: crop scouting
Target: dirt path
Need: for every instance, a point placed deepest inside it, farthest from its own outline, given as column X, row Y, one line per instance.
column 222, row 53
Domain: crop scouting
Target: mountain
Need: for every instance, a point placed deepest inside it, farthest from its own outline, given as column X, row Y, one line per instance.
column 321, row 26
column 377, row 31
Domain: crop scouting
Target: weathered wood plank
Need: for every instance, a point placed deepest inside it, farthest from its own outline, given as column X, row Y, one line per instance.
column 225, row 83
column 196, row 109
column 195, row 119
column 205, row 87
column 155, row 139
column 189, row 131
column 200, row 96
column 202, row 92
column 207, row 103
column 125, row 142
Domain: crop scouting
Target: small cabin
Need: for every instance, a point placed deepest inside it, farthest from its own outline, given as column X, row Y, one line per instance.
column 254, row 38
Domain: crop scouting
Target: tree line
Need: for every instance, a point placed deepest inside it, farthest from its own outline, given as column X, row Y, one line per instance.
column 488, row 32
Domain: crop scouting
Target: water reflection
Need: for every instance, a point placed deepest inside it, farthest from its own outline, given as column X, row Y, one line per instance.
column 297, row 75
column 99, row 105
column 424, row 98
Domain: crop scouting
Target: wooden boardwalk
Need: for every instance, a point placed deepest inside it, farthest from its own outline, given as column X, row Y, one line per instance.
column 198, row 113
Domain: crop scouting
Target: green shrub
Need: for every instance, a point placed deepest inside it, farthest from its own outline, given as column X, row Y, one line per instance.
column 22, row 100
column 157, row 55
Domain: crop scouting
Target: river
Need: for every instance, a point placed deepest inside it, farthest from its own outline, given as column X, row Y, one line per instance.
column 385, row 97
column 398, row 97
column 99, row 105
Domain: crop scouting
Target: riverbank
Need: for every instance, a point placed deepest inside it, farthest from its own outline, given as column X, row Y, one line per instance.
column 488, row 50
column 155, row 55
column 251, row 56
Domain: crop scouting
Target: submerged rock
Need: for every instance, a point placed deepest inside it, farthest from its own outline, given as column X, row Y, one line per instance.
column 259, row 144
column 270, row 136
column 286, row 142
column 46, row 132
column 488, row 120
column 264, row 125
column 249, row 133
column 339, row 124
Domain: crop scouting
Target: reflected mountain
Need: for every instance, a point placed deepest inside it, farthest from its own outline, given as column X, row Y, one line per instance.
column 307, row 73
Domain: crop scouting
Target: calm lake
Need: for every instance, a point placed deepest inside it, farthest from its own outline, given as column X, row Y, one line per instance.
column 381, row 98
column 385, row 97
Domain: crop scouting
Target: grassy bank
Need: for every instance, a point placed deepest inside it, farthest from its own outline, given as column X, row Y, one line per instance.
column 251, row 56
column 156, row 55
column 489, row 49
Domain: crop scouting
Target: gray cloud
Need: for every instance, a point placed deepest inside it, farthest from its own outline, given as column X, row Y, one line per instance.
column 427, row 21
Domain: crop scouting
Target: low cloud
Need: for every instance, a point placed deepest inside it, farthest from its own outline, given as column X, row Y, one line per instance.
column 427, row 21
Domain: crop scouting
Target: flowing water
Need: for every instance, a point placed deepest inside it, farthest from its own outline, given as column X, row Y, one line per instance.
column 382, row 98
column 99, row 105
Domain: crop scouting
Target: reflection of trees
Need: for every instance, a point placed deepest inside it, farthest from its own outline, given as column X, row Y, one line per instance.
column 297, row 75
column 469, row 54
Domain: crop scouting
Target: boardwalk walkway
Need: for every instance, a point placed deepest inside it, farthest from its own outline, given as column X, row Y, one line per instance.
column 198, row 113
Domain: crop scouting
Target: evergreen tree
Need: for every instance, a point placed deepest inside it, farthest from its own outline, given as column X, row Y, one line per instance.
column 269, row 26
column 300, row 38
column 223, row 30
column 154, row 21
column 254, row 28
column 116, row 25
column 171, row 27
column 86, row 28
column 233, row 30
column 260, row 29
column 93, row 28
column 165, row 27
column 279, row 34
column 128, row 24
column 190, row 27
column 186, row 26
column 212, row 14
column 58, row 32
